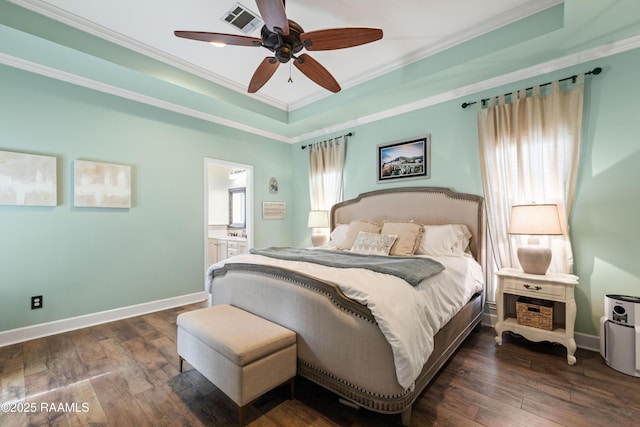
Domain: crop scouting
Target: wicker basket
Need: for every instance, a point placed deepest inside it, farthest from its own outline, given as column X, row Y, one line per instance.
column 535, row 313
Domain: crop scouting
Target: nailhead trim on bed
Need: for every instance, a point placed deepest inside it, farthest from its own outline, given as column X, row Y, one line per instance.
column 332, row 292
column 391, row 404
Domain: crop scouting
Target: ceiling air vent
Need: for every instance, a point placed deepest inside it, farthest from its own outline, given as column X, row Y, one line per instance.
column 242, row 18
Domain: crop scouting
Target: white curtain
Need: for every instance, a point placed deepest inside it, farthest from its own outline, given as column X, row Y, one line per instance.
column 529, row 151
column 326, row 162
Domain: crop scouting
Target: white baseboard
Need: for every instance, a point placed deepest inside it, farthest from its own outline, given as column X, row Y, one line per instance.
column 27, row 333
column 587, row 342
column 489, row 319
column 584, row 341
column 13, row 336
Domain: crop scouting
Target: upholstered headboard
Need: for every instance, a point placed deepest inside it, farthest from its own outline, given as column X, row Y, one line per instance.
column 423, row 205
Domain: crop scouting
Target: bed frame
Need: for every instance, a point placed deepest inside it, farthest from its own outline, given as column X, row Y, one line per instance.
column 340, row 346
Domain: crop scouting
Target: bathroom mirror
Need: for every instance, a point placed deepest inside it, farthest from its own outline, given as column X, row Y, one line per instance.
column 237, row 207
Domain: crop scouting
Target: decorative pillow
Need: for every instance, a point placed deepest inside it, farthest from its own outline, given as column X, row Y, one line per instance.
column 409, row 236
column 339, row 235
column 444, row 240
column 373, row 243
column 356, row 227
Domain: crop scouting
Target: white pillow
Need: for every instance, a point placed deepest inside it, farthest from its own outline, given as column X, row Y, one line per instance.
column 339, row 235
column 464, row 237
column 444, row 240
column 373, row 243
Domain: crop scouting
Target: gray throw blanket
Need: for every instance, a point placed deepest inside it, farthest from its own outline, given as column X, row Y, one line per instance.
column 412, row 270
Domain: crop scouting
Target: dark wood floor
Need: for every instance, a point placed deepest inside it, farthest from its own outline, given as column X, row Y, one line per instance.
column 125, row 373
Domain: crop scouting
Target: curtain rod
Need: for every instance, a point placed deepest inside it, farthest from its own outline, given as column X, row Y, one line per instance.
column 595, row 72
column 342, row 136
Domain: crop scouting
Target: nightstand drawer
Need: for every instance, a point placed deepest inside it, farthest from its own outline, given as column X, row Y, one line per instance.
column 525, row 287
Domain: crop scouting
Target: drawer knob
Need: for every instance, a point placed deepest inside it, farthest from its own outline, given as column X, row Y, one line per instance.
column 535, row 288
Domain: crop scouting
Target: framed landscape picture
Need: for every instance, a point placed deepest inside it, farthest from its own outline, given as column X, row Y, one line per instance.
column 407, row 159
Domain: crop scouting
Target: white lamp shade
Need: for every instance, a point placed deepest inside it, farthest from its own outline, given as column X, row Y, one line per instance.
column 536, row 219
column 318, row 219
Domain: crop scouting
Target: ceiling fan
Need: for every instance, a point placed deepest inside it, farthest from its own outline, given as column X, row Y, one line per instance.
column 285, row 38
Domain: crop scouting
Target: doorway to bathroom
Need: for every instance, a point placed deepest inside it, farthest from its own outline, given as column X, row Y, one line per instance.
column 228, row 216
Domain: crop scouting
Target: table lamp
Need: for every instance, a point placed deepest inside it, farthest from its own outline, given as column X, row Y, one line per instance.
column 318, row 220
column 535, row 220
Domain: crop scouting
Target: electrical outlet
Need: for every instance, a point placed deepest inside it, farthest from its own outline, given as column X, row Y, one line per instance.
column 36, row 302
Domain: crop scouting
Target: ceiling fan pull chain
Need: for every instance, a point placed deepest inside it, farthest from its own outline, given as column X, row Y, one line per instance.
column 290, row 79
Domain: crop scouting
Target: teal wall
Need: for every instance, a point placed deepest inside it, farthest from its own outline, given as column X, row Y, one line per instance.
column 454, row 154
column 604, row 226
column 88, row 260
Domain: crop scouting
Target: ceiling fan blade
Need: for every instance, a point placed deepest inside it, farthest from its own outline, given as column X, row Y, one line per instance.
column 219, row 38
column 316, row 72
column 339, row 38
column 263, row 73
column 274, row 15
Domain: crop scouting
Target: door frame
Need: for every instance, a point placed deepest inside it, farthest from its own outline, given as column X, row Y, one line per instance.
column 248, row 200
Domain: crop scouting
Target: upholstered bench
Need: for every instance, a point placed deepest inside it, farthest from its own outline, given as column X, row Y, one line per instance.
column 242, row 354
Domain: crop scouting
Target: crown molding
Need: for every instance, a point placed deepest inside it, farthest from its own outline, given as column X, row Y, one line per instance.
column 77, row 80
column 469, row 90
column 89, row 27
column 502, row 20
column 75, row 21
column 465, row 91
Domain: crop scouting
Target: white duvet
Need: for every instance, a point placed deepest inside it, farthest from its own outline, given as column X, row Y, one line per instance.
column 408, row 316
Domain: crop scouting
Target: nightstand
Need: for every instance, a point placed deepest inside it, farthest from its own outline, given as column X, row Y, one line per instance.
column 555, row 287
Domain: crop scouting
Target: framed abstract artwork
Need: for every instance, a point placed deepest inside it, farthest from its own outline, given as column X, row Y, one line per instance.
column 28, row 179
column 407, row 159
column 101, row 185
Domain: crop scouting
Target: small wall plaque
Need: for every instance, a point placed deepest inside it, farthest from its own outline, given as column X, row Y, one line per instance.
column 273, row 210
column 273, row 185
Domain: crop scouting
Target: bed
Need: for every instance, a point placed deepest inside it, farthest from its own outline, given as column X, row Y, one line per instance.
column 343, row 343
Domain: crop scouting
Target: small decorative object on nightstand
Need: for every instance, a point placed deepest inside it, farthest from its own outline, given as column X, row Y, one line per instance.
column 318, row 220
column 553, row 288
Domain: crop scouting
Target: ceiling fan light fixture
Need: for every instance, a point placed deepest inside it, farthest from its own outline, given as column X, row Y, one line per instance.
column 218, row 44
column 285, row 39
